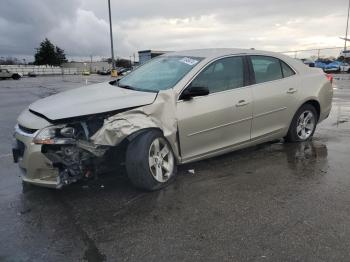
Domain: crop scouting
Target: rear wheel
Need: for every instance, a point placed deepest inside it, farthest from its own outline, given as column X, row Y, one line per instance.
column 303, row 124
column 150, row 161
column 16, row 76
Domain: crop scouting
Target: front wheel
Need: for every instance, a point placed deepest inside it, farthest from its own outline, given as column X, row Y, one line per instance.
column 150, row 161
column 303, row 124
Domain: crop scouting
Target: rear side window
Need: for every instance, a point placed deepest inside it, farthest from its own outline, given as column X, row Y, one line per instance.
column 221, row 75
column 266, row 68
column 287, row 71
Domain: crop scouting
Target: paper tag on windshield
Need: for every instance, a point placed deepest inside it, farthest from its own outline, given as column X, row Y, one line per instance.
column 189, row 61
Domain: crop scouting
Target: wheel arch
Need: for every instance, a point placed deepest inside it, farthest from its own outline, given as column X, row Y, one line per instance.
column 139, row 132
column 311, row 101
column 315, row 104
column 132, row 136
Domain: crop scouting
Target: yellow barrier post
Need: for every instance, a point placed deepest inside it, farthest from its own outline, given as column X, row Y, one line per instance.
column 114, row 73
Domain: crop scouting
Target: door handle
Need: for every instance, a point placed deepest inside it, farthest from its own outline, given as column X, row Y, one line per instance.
column 291, row 91
column 242, row 103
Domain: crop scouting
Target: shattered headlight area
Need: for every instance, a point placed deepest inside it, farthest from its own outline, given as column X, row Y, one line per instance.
column 69, row 149
column 51, row 135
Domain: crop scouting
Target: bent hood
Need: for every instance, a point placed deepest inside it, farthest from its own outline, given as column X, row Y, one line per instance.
column 88, row 100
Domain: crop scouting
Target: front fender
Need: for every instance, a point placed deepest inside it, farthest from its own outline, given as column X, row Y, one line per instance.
column 116, row 128
column 159, row 115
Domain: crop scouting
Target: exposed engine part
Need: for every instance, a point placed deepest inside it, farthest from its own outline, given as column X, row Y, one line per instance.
column 72, row 162
column 86, row 130
column 72, row 153
column 96, row 150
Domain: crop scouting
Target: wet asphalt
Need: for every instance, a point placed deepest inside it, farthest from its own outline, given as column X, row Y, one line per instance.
column 272, row 202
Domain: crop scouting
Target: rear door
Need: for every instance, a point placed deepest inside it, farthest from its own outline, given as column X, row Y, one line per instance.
column 274, row 95
column 222, row 118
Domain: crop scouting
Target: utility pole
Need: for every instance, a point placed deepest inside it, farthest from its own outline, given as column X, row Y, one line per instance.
column 347, row 27
column 111, row 35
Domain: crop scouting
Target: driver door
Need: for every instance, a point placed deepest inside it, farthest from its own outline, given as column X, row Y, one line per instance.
column 215, row 122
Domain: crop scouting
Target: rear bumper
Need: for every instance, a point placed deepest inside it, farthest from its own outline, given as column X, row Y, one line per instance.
column 325, row 113
column 35, row 167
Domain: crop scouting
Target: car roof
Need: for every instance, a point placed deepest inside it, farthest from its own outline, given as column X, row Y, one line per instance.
column 218, row 52
column 213, row 53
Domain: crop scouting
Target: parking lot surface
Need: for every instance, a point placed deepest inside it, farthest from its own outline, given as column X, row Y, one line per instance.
column 272, row 202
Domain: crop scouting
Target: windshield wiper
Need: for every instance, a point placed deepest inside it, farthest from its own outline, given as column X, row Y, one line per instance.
column 116, row 83
column 126, row 86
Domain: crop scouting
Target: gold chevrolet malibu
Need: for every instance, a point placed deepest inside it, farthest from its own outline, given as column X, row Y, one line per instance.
column 177, row 108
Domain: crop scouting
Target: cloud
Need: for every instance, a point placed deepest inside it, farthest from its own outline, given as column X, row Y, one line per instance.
column 23, row 23
column 81, row 26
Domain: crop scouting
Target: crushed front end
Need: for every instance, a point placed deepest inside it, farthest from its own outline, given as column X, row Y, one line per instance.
column 59, row 154
column 54, row 153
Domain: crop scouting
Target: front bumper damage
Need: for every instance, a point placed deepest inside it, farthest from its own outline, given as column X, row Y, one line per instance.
column 66, row 162
column 34, row 166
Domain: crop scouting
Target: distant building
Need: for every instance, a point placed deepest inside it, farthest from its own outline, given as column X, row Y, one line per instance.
column 146, row 55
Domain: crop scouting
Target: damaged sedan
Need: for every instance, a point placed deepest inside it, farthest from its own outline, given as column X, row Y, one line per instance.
column 177, row 108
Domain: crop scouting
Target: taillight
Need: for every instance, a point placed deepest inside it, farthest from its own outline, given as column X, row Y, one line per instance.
column 330, row 78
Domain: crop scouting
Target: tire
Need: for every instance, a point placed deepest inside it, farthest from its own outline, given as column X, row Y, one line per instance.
column 26, row 187
column 16, row 76
column 298, row 131
column 149, row 166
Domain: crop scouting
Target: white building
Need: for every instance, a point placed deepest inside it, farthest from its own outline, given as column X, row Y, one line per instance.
column 145, row 55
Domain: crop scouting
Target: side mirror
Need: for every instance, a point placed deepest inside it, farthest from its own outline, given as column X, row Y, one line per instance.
column 192, row 91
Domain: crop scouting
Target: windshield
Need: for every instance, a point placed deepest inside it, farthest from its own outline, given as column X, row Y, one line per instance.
column 160, row 73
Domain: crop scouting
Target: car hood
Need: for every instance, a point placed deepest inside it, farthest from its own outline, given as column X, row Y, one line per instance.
column 89, row 100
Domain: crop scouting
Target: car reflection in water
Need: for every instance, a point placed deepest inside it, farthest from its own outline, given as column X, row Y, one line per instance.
column 307, row 158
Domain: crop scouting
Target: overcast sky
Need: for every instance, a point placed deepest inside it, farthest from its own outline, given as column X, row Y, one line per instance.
column 80, row 27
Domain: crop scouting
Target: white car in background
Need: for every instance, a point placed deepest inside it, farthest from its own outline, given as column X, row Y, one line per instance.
column 177, row 108
column 337, row 67
column 6, row 74
column 344, row 67
column 345, row 53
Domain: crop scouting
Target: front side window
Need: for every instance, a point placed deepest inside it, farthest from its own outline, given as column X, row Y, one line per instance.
column 160, row 73
column 266, row 68
column 221, row 75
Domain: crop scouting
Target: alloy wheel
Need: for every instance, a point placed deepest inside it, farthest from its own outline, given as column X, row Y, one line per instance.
column 161, row 160
column 306, row 125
